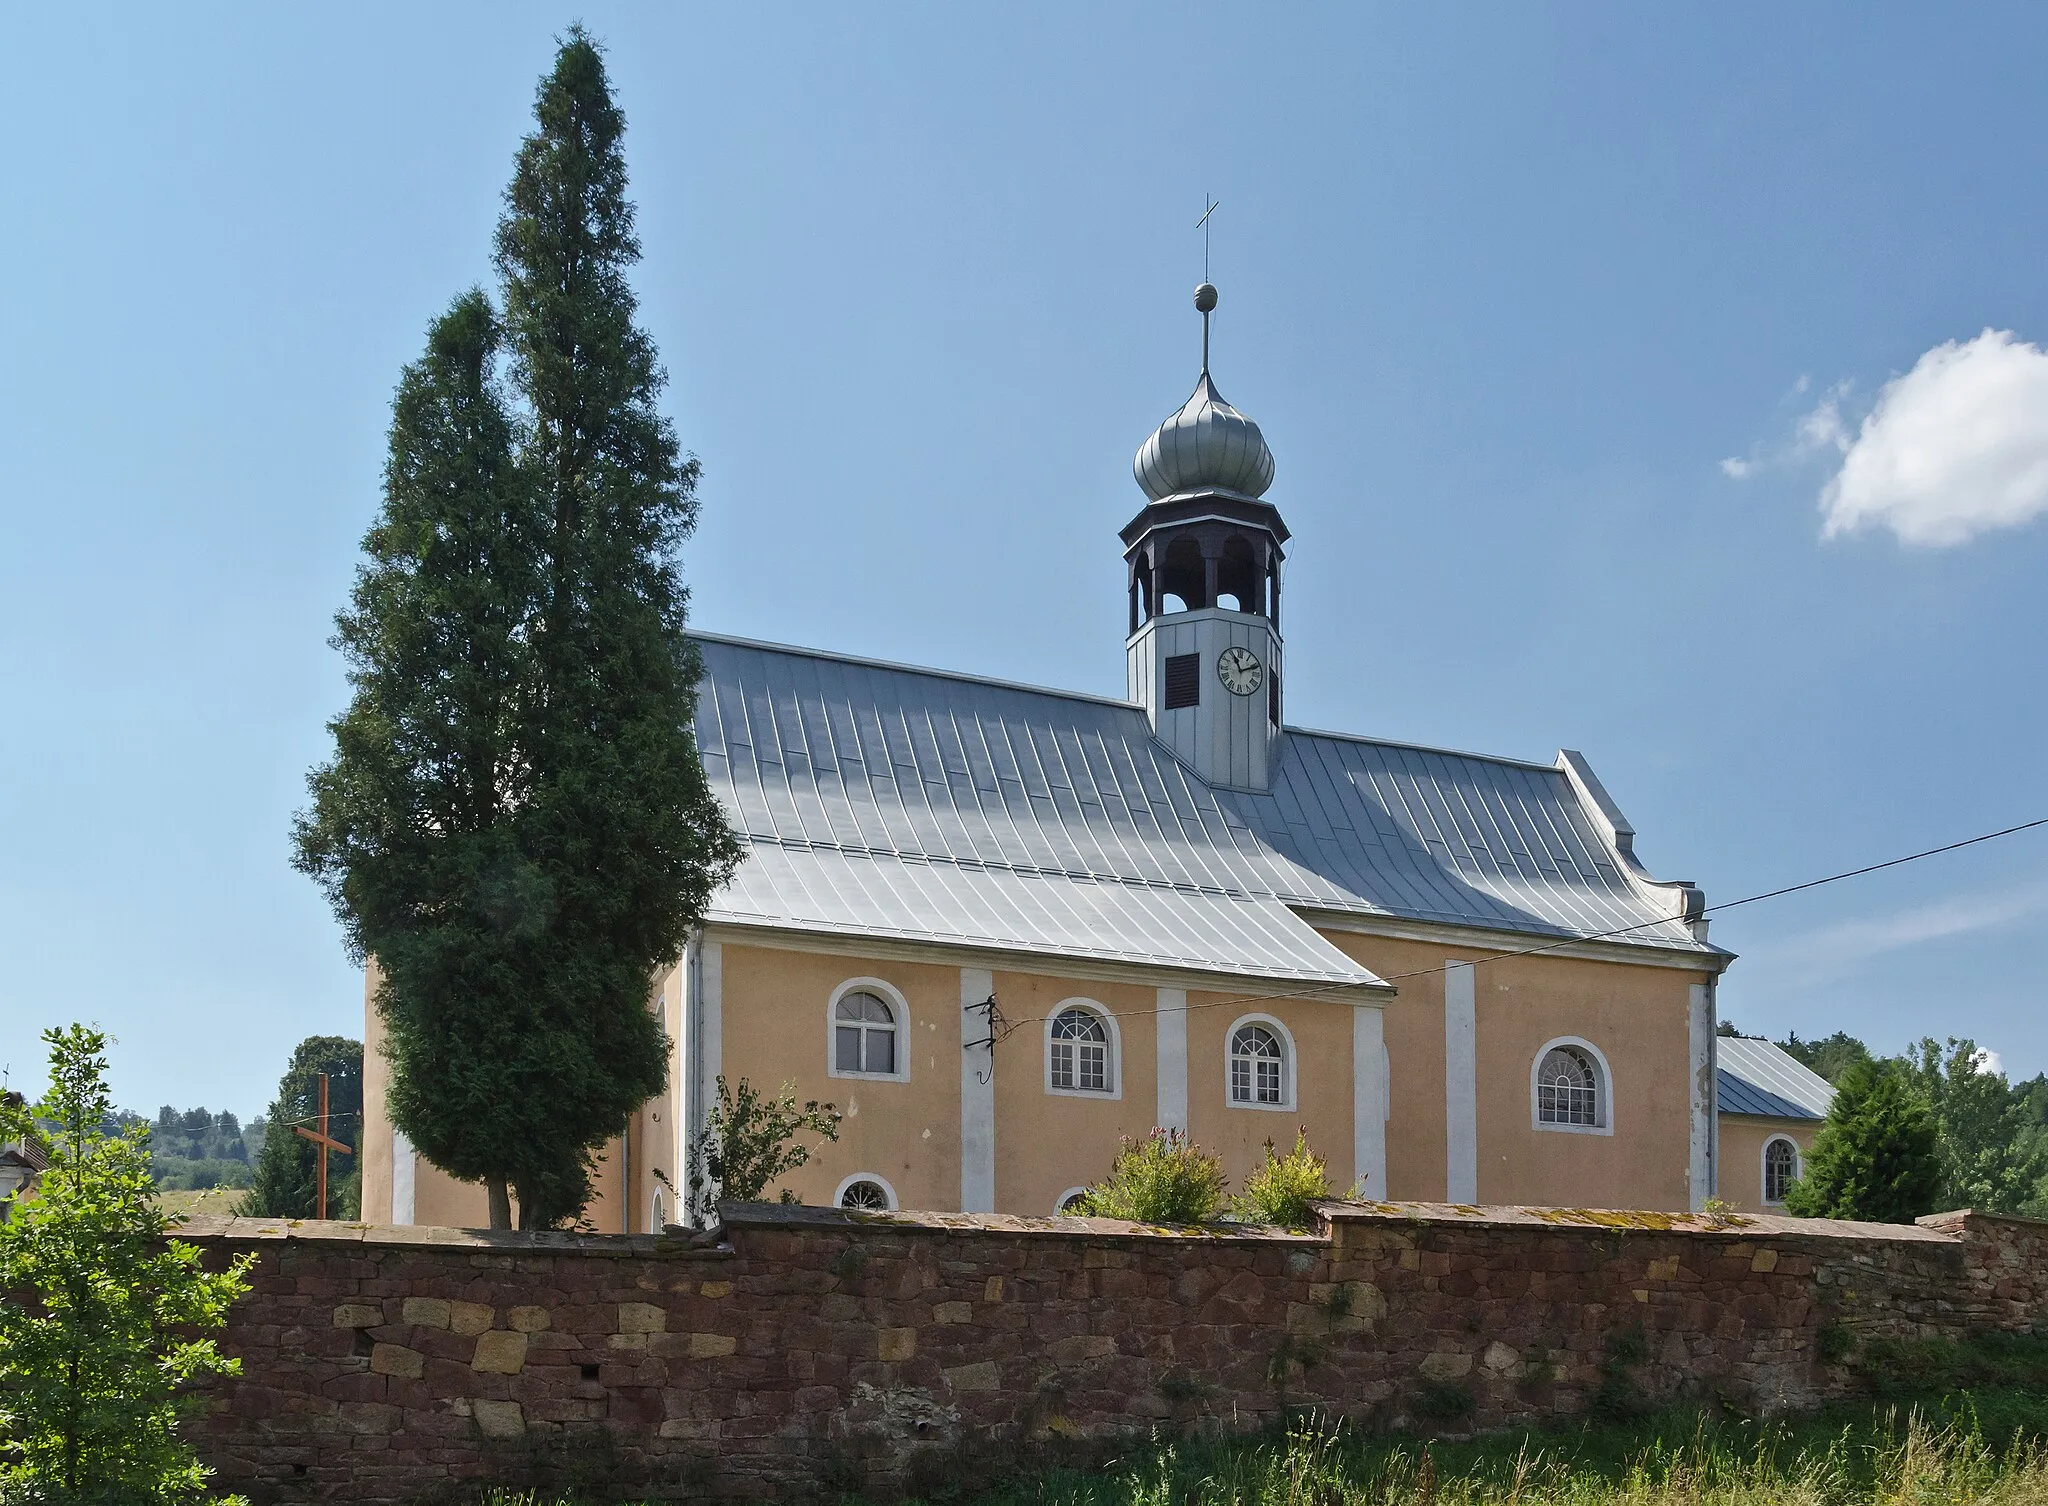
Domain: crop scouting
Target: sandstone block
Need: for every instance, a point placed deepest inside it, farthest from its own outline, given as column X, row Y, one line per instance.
column 1663, row 1270
column 1445, row 1365
column 426, row 1312
column 499, row 1352
column 469, row 1318
column 953, row 1312
column 712, row 1346
column 1500, row 1359
column 993, row 1290
column 528, row 1319
column 358, row 1315
column 396, row 1359
column 642, row 1317
column 1080, row 1348
column 701, row 1430
column 1764, row 1260
column 630, row 1340
column 894, row 1344
column 982, row 1375
column 499, row 1419
column 715, row 1289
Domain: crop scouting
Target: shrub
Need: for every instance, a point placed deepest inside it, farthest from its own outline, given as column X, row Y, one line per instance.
column 751, row 1140
column 1281, row 1190
column 1876, row 1156
column 1163, row 1179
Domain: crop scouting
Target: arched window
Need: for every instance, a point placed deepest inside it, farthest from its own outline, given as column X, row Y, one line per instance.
column 657, row 1216
column 864, row 1192
column 1261, row 1065
column 1569, row 1088
column 1069, row 1201
column 1080, row 1052
column 1781, row 1167
column 868, row 1021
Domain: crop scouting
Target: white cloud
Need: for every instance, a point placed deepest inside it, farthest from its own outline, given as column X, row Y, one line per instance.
column 1956, row 447
column 1989, row 1061
column 1737, row 468
column 1839, row 950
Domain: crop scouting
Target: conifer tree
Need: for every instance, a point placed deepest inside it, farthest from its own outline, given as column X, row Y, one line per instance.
column 1875, row 1159
column 284, row 1185
column 515, row 825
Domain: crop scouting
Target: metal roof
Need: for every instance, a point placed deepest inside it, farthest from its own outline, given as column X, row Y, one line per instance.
column 1756, row 1077
column 878, row 799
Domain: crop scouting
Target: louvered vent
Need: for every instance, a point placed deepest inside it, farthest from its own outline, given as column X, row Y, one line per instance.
column 1183, row 681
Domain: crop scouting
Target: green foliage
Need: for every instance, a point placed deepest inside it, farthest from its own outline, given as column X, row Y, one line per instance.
column 1836, row 1341
column 1876, row 1157
column 283, row 1186
column 1992, row 1156
column 1901, row 1368
column 515, row 823
column 1282, row 1189
column 751, row 1140
column 94, row 1361
column 1444, row 1401
column 1831, row 1057
column 1163, row 1179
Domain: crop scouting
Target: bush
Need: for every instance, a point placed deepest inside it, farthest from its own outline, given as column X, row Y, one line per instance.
column 1163, row 1179
column 1875, row 1158
column 1283, row 1187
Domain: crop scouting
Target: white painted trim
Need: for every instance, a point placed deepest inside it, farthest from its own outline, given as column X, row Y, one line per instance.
column 1510, row 943
column 977, row 1098
column 1461, row 1083
column 1059, row 1204
column 866, row 946
column 1170, row 1035
column 1606, row 1098
column 1369, row 1107
column 1290, row 1060
column 1110, row 1028
column 865, row 1176
column 404, row 1166
column 657, row 1211
column 899, row 1006
column 1763, row 1167
column 1702, row 1062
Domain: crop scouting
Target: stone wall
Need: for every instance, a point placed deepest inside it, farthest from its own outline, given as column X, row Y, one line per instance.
column 800, row 1347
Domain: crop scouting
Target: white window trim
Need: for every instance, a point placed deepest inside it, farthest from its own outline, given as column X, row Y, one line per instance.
column 890, row 995
column 866, row 1176
column 1763, row 1168
column 1059, row 1204
column 1606, row 1072
column 1101, row 1012
column 1289, row 1059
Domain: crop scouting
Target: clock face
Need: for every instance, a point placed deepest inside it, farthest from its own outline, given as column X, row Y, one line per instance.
column 1239, row 670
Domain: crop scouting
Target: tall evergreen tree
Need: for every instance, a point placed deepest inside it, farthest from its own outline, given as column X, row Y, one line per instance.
column 285, row 1183
column 1875, row 1158
column 516, row 825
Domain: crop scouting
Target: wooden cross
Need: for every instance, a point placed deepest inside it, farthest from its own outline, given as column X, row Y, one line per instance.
column 326, row 1142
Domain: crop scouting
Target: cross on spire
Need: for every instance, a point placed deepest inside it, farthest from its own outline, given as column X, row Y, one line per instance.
column 1205, row 295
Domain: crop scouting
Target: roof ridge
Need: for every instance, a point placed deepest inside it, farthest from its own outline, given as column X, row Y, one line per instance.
column 1413, row 747
column 913, row 669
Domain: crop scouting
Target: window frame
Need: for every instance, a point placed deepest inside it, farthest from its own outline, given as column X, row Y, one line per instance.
column 890, row 995
column 1059, row 1204
column 1114, row 1036
column 1603, row 1088
column 1763, row 1168
column 1290, row 1070
column 877, row 1178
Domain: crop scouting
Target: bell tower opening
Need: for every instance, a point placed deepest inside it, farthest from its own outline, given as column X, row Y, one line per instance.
column 1204, row 556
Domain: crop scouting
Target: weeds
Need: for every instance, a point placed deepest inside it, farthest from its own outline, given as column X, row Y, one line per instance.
column 1163, row 1179
column 1284, row 1189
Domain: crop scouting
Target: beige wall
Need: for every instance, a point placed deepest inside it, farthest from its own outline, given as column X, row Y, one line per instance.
column 1321, row 1034
column 1742, row 1157
column 1638, row 1017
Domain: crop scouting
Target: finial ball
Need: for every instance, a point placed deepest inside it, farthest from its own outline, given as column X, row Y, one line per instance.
column 1205, row 297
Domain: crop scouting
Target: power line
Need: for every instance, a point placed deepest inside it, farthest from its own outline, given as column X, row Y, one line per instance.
column 1565, row 941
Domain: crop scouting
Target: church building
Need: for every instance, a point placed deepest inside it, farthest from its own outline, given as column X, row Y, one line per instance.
column 1004, row 928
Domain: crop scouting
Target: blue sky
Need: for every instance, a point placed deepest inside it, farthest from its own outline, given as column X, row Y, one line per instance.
column 1563, row 324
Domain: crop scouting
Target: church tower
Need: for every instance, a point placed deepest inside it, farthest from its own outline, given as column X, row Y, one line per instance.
column 1203, row 654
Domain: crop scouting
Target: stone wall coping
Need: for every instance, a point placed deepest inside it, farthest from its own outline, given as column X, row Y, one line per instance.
column 230, row 1230
column 1635, row 1221
column 783, row 1216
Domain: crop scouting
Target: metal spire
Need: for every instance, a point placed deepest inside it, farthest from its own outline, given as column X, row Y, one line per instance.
column 1205, row 295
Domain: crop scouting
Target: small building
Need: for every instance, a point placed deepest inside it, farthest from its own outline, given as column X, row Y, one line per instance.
column 21, row 1163
column 1770, row 1106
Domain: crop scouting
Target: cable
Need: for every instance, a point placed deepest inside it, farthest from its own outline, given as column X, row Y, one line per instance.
column 1564, row 941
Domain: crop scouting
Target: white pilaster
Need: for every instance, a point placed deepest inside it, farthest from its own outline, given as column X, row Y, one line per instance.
column 1700, row 1171
column 1369, row 1094
column 977, row 1097
column 1461, row 1084
column 1171, row 1020
column 404, row 1159
column 706, row 1035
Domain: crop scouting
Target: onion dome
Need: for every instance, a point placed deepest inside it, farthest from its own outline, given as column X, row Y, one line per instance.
column 1208, row 446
